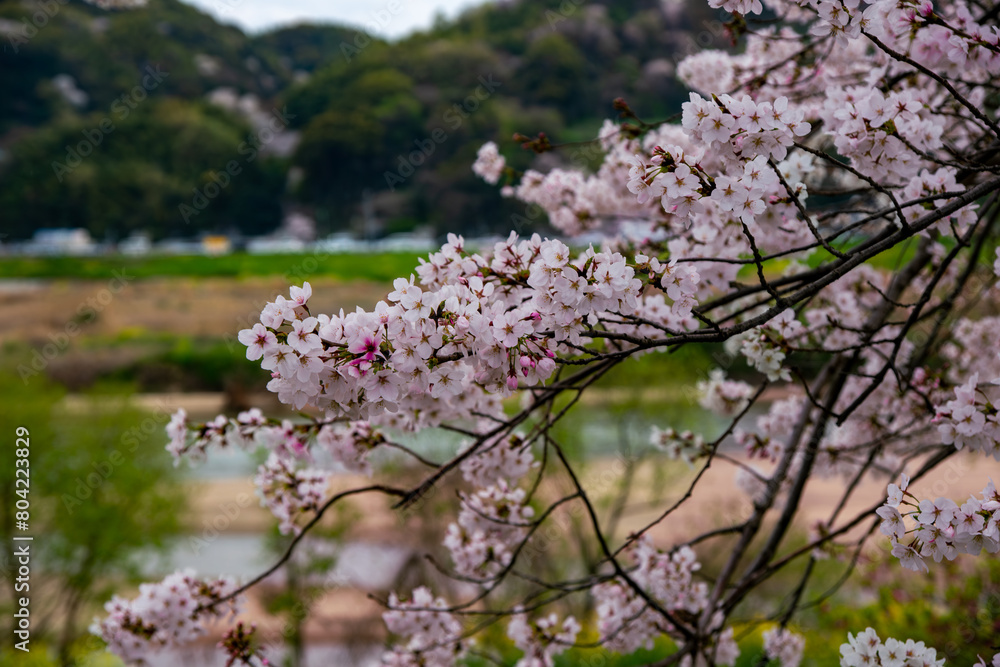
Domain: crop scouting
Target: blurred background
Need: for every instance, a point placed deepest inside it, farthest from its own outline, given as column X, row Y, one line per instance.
column 123, row 124
column 167, row 170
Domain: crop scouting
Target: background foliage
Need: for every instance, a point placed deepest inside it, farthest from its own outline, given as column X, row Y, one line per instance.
column 359, row 102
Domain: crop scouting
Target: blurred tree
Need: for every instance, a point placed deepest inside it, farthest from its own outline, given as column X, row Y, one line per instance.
column 336, row 151
column 364, row 100
column 88, row 172
column 101, row 493
column 556, row 73
column 307, row 47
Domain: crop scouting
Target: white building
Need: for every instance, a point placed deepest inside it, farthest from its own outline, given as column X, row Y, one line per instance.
column 60, row 242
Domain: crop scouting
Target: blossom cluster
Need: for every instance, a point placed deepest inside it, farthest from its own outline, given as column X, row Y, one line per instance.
column 432, row 634
column 626, row 621
column 738, row 6
column 764, row 347
column 877, row 131
column 473, row 327
column 970, row 419
column 744, row 138
column 575, row 202
column 785, row 646
column 723, row 396
column 168, row 613
column 288, row 492
column 491, row 523
column 541, row 639
column 938, row 185
column 941, row 528
column 744, row 127
column 767, row 440
column 866, row 649
column 489, row 164
column 240, row 646
column 350, row 444
column 946, row 37
column 685, row 445
column 508, row 459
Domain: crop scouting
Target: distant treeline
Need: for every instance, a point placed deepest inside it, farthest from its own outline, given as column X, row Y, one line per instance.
column 105, row 122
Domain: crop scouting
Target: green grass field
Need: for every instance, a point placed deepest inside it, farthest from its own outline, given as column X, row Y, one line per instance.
column 380, row 267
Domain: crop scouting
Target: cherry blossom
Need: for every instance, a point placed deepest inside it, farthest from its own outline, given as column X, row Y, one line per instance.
column 866, row 648
column 818, row 222
column 489, row 163
column 508, row 460
column 541, row 639
column 785, row 646
column 164, row 614
column 722, row 396
column 627, row 621
column 940, row 529
column 288, row 492
column 685, row 445
column 430, row 631
column 490, row 522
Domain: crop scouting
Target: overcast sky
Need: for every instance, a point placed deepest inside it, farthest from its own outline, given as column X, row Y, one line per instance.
column 257, row 15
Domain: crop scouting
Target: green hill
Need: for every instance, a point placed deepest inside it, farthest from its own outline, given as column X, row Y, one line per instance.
column 384, row 130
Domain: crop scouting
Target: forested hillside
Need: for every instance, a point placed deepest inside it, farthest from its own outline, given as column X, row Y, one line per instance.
column 164, row 120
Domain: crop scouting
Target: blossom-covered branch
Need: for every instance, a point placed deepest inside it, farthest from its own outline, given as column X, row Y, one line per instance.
column 843, row 134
